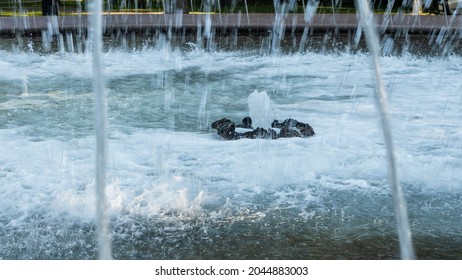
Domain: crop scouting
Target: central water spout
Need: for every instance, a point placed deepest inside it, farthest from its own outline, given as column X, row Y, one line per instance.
column 260, row 109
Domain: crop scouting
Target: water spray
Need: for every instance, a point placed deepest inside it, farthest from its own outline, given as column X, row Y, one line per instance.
column 102, row 224
column 404, row 232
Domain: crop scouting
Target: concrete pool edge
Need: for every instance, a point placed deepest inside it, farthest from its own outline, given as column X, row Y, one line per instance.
column 223, row 23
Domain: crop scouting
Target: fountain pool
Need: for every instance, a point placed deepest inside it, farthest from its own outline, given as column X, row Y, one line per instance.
column 177, row 191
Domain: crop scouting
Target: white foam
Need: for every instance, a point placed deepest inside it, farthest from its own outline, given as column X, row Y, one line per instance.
column 151, row 170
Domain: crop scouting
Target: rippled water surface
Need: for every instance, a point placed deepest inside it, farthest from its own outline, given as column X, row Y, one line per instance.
column 177, row 191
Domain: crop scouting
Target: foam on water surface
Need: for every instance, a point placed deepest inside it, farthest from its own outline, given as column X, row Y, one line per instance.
column 171, row 185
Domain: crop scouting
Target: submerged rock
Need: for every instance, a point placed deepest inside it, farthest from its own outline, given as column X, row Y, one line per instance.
column 288, row 128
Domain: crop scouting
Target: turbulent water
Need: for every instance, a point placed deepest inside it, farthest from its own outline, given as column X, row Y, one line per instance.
column 177, row 191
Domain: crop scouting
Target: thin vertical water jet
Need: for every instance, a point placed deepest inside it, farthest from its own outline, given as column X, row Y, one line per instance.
column 247, row 12
column 404, row 232
column 102, row 224
column 277, row 34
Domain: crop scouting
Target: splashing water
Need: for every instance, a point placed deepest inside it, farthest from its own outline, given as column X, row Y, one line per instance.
column 173, row 192
column 260, row 109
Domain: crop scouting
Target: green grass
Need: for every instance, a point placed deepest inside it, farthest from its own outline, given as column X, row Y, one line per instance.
column 20, row 14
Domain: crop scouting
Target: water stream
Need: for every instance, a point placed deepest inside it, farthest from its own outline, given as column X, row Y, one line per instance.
column 404, row 233
column 99, row 91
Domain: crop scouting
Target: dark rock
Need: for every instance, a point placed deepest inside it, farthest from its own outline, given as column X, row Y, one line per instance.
column 293, row 128
column 287, row 132
column 286, row 123
column 219, row 123
column 272, row 133
column 226, row 129
column 305, row 129
column 288, row 128
column 246, row 123
column 258, row 133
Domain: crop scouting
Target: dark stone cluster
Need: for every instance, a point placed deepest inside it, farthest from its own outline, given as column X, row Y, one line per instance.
column 288, row 128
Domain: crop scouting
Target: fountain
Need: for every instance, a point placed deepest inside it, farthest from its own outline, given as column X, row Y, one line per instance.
column 169, row 188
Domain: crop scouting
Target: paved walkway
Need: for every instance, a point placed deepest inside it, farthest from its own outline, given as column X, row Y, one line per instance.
column 224, row 22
